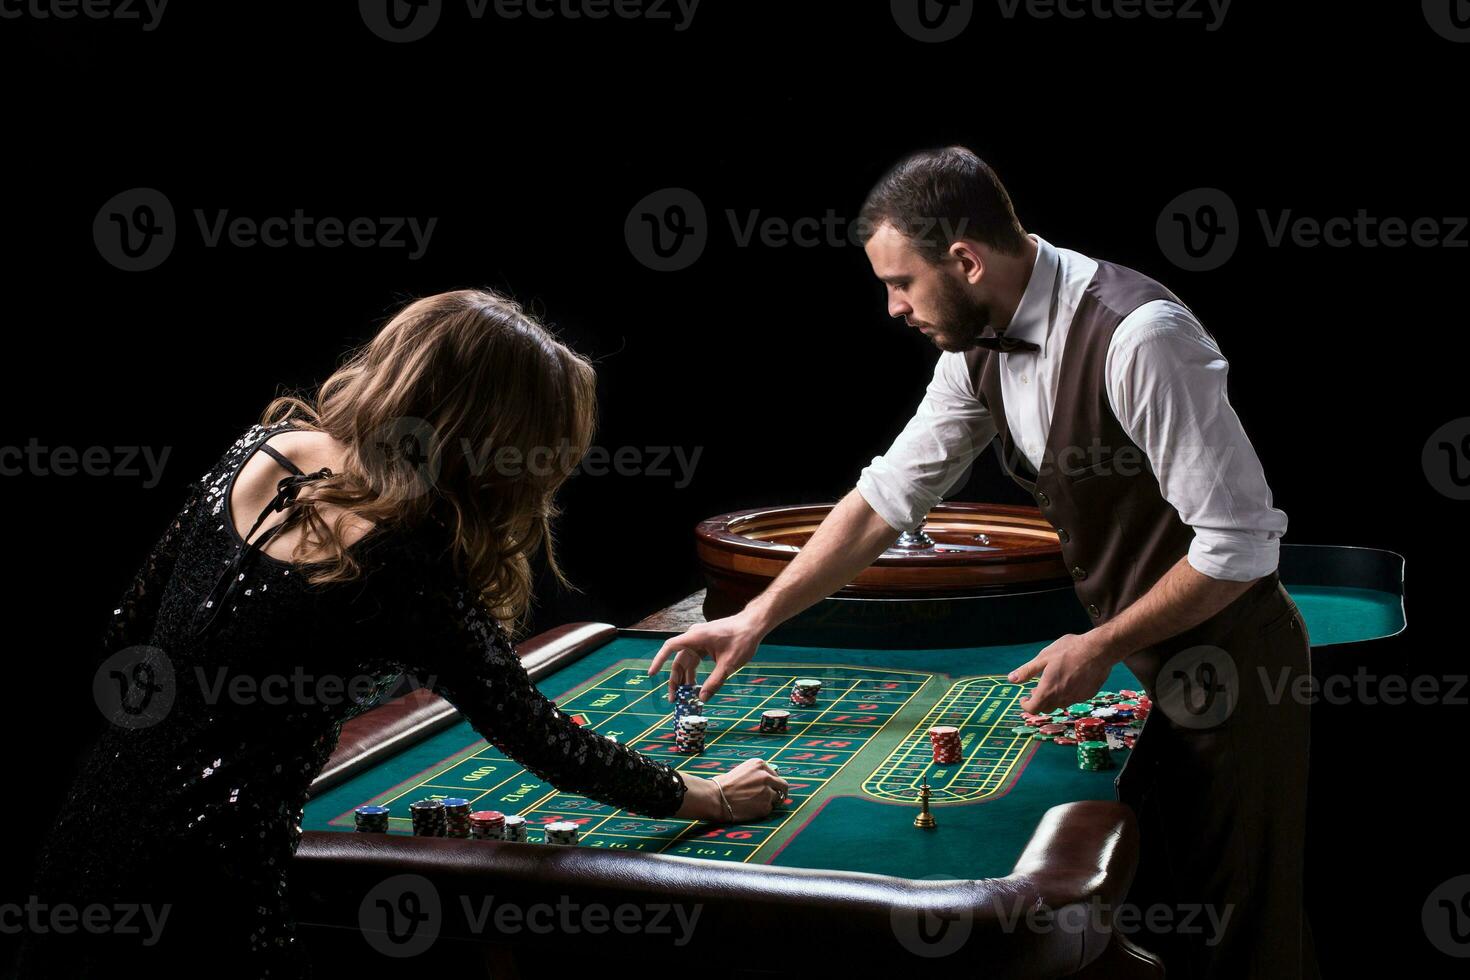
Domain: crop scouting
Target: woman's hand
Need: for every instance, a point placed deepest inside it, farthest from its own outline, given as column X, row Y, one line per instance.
column 730, row 642
column 748, row 792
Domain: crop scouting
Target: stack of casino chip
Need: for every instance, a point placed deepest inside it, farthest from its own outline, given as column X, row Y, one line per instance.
column 773, row 722
column 514, row 827
column 804, row 693
column 686, row 701
column 1092, row 729
column 1093, row 756
column 487, row 825
column 945, row 740
column 371, row 819
column 689, row 734
column 456, row 817
column 428, row 818
column 1121, row 715
column 1141, row 707
column 561, row 832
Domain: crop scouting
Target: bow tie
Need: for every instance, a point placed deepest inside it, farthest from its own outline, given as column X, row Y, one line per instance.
column 1006, row 345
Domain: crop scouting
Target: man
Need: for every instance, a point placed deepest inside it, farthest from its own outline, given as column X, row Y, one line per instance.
column 1109, row 401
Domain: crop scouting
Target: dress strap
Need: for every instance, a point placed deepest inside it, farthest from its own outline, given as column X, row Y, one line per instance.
column 207, row 613
column 276, row 455
column 287, row 490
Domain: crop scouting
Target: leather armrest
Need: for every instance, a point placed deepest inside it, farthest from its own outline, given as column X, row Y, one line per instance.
column 1081, row 852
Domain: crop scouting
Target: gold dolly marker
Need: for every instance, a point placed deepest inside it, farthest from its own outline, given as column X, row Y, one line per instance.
column 925, row 819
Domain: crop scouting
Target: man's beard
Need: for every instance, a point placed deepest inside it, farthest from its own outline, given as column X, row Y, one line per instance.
column 959, row 318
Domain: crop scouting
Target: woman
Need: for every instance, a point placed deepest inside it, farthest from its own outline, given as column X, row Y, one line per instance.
column 386, row 527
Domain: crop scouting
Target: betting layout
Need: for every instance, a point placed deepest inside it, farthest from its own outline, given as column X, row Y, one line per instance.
column 892, row 735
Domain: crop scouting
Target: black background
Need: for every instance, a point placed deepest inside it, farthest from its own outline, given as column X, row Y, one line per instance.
column 530, row 141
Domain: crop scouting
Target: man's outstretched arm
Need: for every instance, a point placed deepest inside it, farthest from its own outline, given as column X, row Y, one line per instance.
column 894, row 492
column 848, row 541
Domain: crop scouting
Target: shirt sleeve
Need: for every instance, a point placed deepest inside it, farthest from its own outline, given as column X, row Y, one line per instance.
column 462, row 654
column 931, row 454
column 1166, row 381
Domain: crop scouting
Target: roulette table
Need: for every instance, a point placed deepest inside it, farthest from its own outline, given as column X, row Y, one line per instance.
column 838, row 877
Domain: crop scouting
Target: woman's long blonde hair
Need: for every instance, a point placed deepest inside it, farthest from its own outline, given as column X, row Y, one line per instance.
column 464, row 410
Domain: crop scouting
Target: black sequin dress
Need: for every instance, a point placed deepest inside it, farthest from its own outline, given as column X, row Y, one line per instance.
column 197, row 806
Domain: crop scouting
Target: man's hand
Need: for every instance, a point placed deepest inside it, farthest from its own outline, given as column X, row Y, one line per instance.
column 731, row 642
column 847, row 542
column 1072, row 669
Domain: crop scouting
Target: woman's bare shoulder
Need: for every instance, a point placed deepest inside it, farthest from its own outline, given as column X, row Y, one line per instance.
column 256, row 485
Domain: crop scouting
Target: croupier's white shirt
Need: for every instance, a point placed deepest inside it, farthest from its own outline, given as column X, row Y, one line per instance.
column 1166, row 386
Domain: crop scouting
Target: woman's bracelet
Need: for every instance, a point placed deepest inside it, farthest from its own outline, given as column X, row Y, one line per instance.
column 728, row 810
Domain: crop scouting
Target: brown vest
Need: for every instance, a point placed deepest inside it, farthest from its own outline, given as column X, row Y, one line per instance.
column 1119, row 535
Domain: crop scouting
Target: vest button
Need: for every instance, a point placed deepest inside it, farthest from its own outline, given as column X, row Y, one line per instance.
column 1096, row 612
column 1078, row 572
column 1063, row 536
column 1043, row 498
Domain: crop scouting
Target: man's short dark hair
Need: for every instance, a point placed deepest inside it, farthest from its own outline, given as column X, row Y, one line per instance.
column 936, row 197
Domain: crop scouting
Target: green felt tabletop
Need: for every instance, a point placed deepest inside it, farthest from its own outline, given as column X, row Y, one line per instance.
column 849, row 809
column 853, row 761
